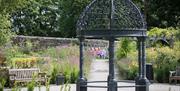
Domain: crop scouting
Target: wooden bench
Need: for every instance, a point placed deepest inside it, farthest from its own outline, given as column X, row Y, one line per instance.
column 26, row 75
column 174, row 75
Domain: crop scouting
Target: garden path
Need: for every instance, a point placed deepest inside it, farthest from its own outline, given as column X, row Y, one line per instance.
column 99, row 72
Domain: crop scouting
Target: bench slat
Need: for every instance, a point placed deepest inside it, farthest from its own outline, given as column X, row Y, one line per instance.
column 25, row 75
column 176, row 76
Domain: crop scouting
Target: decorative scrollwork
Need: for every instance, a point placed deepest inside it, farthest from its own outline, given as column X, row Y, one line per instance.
column 110, row 15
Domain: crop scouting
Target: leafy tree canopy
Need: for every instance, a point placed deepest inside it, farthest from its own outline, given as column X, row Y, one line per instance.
column 39, row 18
column 163, row 13
column 48, row 18
column 58, row 17
column 6, row 8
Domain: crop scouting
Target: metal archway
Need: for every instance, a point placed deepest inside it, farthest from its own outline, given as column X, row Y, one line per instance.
column 110, row 19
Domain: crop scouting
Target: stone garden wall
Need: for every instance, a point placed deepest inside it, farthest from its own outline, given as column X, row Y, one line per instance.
column 45, row 42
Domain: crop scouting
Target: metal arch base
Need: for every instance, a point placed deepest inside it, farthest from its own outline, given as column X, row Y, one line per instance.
column 142, row 81
column 112, row 84
column 80, row 84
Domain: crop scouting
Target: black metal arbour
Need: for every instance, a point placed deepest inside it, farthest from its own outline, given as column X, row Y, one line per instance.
column 110, row 19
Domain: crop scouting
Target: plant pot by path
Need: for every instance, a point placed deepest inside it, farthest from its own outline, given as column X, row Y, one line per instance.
column 59, row 80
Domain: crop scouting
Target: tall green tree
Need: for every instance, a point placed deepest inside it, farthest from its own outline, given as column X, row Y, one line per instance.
column 49, row 18
column 58, row 17
column 163, row 13
column 70, row 11
column 39, row 18
column 6, row 8
column 160, row 13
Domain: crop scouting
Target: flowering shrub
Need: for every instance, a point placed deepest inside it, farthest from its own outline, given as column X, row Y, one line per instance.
column 168, row 32
column 98, row 52
column 124, row 48
column 64, row 60
column 133, row 69
column 163, row 59
column 53, row 60
column 24, row 62
column 167, row 60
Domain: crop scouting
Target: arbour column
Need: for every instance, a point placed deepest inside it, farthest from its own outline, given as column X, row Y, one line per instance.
column 111, row 81
column 140, row 56
column 81, row 80
column 81, row 58
column 143, row 61
column 141, row 79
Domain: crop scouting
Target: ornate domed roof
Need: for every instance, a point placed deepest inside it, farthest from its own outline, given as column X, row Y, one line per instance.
column 103, row 18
